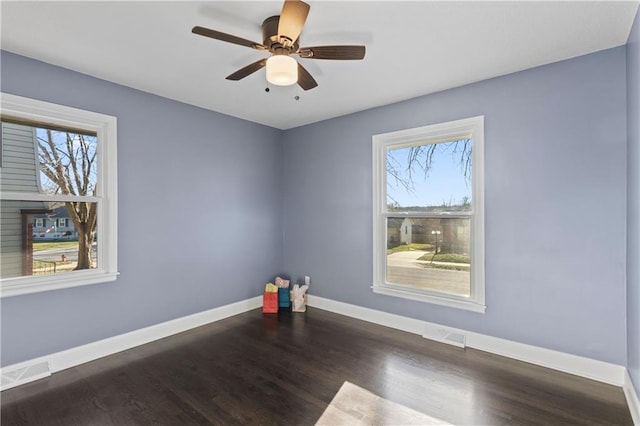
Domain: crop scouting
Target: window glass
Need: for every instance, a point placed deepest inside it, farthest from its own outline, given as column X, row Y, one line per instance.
column 429, row 254
column 428, row 214
column 432, row 177
column 58, row 193
column 53, row 162
column 29, row 249
column 67, row 161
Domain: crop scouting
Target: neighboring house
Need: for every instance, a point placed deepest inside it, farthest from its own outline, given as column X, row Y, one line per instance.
column 450, row 235
column 406, row 231
column 20, row 174
column 393, row 231
column 56, row 225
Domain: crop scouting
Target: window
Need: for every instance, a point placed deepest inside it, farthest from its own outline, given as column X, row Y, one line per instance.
column 429, row 214
column 58, row 188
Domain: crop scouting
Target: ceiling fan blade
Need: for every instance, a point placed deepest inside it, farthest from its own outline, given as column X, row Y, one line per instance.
column 304, row 78
column 248, row 70
column 227, row 37
column 332, row 52
column 292, row 18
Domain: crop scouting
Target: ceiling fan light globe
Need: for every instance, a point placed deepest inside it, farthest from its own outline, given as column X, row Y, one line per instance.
column 282, row 70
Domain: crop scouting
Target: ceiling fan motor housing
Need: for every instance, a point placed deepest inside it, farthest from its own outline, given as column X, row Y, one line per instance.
column 274, row 42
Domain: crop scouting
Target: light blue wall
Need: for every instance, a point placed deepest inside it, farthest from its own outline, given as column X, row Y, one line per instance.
column 633, row 203
column 195, row 186
column 555, row 204
column 199, row 215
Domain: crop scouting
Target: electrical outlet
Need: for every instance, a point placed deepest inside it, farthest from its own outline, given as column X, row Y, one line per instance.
column 307, row 280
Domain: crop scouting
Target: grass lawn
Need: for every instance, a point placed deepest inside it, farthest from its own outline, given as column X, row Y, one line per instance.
column 410, row 247
column 446, row 257
column 458, row 267
column 457, row 262
column 46, row 245
column 42, row 268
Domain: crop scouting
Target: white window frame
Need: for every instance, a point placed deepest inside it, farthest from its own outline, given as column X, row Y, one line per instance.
column 448, row 131
column 105, row 127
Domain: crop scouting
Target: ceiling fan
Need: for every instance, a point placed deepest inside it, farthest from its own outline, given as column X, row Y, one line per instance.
column 280, row 37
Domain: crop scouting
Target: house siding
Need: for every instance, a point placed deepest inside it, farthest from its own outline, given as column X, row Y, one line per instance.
column 19, row 170
column 11, row 235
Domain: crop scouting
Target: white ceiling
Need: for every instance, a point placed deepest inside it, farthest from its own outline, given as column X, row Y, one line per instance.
column 413, row 48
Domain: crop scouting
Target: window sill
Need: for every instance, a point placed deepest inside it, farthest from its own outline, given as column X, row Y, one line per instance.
column 468, row 304
column 20, row 286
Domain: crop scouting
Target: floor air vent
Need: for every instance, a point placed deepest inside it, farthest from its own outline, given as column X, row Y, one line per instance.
column 456, row 339
column 24, row 374
column 443, row 335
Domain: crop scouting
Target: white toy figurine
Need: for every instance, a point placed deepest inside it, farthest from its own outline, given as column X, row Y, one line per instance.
column 299, row 298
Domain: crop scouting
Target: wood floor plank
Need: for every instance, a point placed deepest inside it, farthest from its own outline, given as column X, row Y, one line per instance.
column 294, row 367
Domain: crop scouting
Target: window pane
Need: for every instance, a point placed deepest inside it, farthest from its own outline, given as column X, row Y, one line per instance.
column 33, row 242
column 67, row 162
column 432, row 177
column 55, row 156
column 429, row 254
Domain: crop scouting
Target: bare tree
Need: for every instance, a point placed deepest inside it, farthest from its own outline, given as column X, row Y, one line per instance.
column 68, row 160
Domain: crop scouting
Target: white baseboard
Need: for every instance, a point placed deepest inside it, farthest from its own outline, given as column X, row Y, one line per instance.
column 632, row 399
column 580, row 366
column 14, row 375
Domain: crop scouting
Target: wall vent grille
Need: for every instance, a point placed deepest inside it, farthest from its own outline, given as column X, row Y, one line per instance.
column 457, row 339
column 24, row 374
column 444, row 335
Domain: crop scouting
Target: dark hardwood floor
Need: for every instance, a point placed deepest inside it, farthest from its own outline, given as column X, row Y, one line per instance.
column 293, row 367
